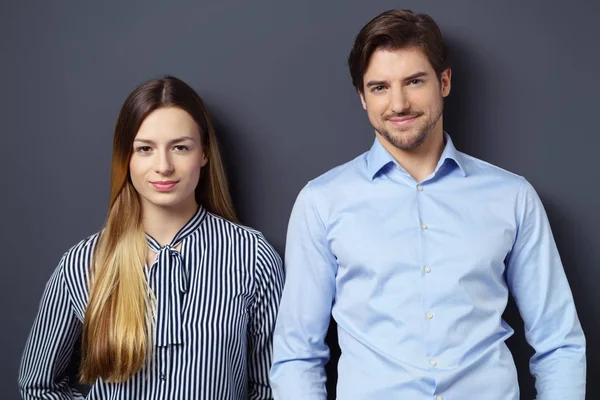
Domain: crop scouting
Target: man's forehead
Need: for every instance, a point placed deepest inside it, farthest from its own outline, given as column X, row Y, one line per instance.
column 398, row 61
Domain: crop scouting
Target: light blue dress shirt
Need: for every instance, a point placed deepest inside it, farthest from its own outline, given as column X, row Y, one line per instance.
column 417, row 276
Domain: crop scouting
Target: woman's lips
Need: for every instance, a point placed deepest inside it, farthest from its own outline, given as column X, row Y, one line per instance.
column 164, row 186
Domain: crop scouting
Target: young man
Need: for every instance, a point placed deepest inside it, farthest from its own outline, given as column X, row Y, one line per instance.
column 414, row 248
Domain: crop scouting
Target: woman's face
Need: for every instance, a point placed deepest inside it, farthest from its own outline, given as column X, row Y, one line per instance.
column 167, row 159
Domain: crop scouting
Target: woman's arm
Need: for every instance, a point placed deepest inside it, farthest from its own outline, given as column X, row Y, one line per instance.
column 50, row 344
column 267, row 293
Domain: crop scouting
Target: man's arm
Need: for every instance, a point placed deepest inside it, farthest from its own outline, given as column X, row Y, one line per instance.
column 299, row 349
column 538, row 283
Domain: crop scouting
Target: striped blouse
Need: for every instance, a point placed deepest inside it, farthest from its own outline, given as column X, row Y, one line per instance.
column 216, row 304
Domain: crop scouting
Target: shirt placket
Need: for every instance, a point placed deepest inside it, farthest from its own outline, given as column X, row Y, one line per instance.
column 427, row 311
column 426, row 228
column 164, row 286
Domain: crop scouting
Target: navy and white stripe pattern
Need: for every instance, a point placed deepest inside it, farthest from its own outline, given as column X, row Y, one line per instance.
column 217, row 299
column 170, row 281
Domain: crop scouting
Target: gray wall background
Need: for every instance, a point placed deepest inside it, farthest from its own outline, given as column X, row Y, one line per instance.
column 273, row 73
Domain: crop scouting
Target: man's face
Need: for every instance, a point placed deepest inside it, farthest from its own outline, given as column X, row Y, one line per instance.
column 403, row 97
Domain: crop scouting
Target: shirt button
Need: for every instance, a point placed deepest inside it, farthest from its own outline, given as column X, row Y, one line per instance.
column 427, row 269
column 439, row 398
column 424, row 226
column 419, row 188
column 433, row 363
column 163, row 377
column 429, row 315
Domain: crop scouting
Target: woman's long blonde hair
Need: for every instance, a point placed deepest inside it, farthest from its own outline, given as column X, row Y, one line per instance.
column 118, row 321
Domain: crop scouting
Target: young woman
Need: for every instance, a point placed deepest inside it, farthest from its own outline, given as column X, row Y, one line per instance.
column 172, row 299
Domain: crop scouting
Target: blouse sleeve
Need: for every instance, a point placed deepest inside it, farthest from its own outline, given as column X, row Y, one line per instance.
column 50, row 344
column 268, row 287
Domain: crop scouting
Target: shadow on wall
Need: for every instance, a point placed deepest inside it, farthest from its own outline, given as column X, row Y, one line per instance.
column 230, row 152
column 576, row 248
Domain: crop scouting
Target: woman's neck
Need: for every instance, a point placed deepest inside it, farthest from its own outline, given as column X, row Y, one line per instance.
column 163, row 223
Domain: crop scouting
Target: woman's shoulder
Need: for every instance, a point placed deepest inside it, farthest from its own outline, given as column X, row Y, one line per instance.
column 223, row 226
column 73, row 272
column 245, row 236
column 76, row 260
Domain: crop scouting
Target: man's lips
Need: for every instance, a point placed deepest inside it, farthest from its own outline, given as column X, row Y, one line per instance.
column 404, row 120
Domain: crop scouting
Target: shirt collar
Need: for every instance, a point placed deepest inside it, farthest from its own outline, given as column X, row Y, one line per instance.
column 450, row 153
column 190, row 226
column 378, row 157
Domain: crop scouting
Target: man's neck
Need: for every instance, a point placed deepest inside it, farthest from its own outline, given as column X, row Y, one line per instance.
column 421, row 161
column 163, row 223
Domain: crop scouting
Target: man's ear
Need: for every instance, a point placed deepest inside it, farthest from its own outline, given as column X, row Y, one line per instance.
column 362, row 98
column 446, row 81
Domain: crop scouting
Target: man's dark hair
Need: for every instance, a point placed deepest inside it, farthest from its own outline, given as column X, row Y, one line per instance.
column 394, row 30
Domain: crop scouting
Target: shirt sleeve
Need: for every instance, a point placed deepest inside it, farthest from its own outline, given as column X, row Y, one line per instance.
column 268, row 287
column 538, row 283
column 50, row 344
column 299, row 348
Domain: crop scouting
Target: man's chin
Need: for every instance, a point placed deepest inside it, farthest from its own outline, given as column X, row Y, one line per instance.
column 405, row 140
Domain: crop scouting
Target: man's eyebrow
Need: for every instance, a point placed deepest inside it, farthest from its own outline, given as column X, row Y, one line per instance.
column 420, row 74
column 416, row 75
column 376, row 83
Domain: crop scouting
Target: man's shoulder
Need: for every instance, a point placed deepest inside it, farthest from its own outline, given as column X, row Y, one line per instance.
column 478, row 168
column 341, row 175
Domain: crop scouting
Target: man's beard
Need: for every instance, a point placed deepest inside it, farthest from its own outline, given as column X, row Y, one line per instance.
column 405, row 139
